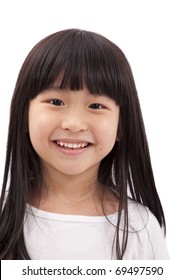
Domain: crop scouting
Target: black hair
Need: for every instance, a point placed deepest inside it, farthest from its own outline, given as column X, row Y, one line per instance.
column 75, row 59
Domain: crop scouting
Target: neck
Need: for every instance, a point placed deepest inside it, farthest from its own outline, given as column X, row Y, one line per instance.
column 71, row 186
column 71, row 194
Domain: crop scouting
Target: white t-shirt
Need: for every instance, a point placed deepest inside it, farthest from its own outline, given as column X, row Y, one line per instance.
column 73, row 237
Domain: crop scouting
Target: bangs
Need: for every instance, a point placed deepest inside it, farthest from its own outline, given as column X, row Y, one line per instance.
column 77, row 59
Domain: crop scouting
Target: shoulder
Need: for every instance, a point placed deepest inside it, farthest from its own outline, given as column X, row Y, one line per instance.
column 140, row 217
column 149, row 235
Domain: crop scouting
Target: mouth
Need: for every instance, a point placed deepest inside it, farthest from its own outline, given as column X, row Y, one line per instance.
column 72, row 145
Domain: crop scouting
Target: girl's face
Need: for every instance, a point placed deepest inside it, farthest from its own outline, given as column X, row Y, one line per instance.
column 72, row 131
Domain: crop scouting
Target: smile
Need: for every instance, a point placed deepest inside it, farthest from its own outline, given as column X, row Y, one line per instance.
column 72, row 145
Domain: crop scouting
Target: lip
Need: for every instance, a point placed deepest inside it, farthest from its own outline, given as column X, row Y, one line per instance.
column 70, row 151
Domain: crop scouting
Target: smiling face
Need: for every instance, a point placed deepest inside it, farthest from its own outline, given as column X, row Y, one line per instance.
column 72, row 131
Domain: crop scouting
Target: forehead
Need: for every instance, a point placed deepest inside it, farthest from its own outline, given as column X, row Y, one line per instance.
column 78, row 62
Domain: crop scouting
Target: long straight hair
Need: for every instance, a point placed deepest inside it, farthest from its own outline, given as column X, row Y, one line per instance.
column 75, row 59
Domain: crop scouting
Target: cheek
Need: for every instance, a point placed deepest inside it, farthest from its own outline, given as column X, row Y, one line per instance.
column 107, row 134
column 39, row 127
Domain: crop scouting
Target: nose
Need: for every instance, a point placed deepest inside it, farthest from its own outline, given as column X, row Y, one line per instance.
column 74, row 122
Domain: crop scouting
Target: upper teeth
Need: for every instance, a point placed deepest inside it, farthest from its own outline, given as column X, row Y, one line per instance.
column 72, row 145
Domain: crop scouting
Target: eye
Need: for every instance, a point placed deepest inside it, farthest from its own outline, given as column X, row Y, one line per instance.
column 96, row 106
column 56, row 102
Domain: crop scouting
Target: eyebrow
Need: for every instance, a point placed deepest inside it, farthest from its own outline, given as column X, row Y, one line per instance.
column 61, row 90
column 52, row 88
column 57, row 88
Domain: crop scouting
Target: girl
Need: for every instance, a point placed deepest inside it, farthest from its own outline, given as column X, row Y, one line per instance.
column 80, row 183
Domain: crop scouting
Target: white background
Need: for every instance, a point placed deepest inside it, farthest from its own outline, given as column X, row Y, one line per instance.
column 150, row 32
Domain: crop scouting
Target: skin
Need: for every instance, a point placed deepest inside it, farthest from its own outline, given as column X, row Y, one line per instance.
column 71, row 175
